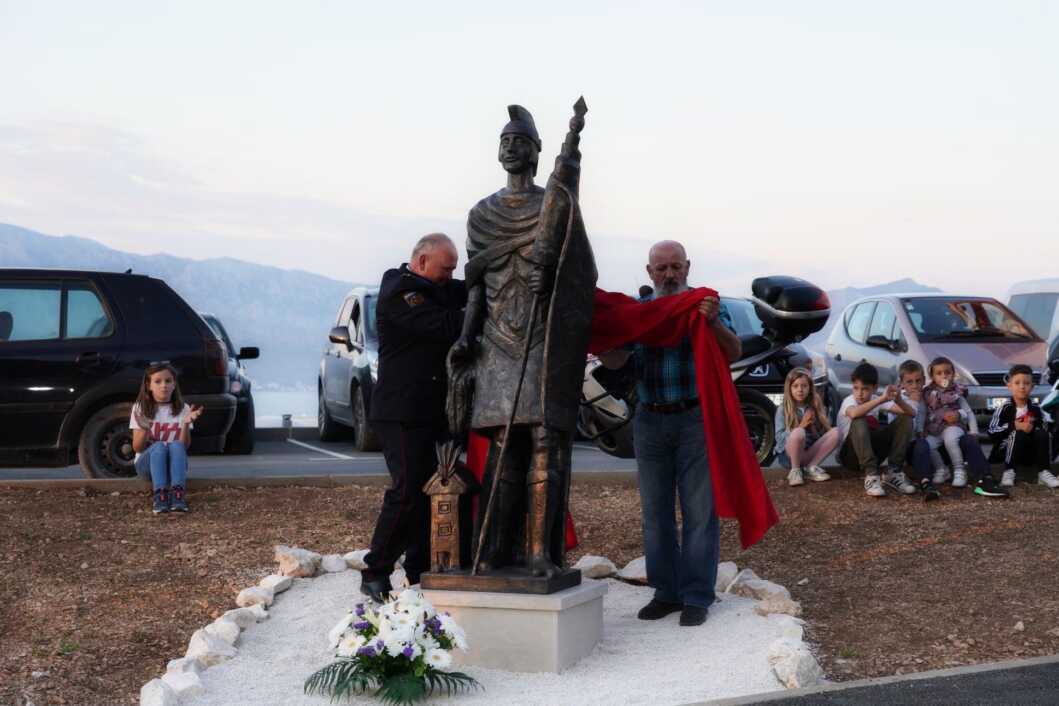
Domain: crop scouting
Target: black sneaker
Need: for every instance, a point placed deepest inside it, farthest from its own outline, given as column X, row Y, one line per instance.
column 178, row 502
column 989, row 488
column 656, row 610
column 929, row 491
column 692, row 615
column 161, row 501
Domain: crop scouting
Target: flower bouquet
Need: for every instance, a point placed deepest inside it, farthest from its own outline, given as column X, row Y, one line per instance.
column 401, row 650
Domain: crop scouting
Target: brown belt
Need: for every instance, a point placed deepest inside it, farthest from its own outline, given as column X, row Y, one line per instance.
column 671, row 407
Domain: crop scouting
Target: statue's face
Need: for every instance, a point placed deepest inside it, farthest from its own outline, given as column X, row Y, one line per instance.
column 517, row 153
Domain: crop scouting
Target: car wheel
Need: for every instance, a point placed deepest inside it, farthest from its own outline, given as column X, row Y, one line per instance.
column 759, row 414
column 364, row 438
column 240, row 438
column 105, row 448
column 329, row 429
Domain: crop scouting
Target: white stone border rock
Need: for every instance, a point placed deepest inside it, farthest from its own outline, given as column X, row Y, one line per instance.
column 216, row 642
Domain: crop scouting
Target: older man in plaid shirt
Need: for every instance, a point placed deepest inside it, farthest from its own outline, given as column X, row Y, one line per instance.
column 671, row 454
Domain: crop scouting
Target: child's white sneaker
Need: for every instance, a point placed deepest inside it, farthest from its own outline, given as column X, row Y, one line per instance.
column 818, row 474
column 1008, row 479
column 1048, row 478
column 959, row 478
column 941, row 475
column 795, row 477
column 873, row 486
column 898, row 482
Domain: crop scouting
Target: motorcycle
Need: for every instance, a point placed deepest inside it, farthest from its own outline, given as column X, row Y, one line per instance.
column 771, row 324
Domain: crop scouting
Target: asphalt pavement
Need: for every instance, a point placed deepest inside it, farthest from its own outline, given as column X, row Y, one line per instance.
column 305, row 456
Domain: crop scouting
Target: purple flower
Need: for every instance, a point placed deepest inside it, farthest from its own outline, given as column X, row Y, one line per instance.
column 362, row 625
column 407, row 652
column 379, row 644
column 360, row 610
column 368, row 651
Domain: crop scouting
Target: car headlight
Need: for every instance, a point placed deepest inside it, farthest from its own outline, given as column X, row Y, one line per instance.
column 965, row 378
column 373, row 369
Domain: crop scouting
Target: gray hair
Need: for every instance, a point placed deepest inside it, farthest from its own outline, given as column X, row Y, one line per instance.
column 430, row 241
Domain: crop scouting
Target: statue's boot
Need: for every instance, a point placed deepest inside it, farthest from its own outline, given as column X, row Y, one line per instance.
column 497, row 550
column 542, row 510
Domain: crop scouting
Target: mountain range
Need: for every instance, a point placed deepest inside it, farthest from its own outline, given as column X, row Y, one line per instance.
column 285, row 312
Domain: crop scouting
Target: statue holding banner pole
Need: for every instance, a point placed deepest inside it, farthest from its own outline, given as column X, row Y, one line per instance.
column 531, row 279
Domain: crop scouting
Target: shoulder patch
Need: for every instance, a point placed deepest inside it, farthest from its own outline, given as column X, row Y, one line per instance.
column 413, row 298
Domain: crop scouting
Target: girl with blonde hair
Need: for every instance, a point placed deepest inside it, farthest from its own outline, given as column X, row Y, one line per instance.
column 803, row 431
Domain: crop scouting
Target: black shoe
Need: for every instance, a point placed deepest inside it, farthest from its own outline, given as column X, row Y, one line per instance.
column 692, row 615
column 989, row 488
column 377, row 590
column 161, row 502
column 929, row 491
column 656, row 610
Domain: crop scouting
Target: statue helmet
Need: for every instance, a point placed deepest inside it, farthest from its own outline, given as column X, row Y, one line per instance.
column 521, row 123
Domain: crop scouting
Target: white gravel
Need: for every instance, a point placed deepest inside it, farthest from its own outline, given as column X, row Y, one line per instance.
column 638, row 662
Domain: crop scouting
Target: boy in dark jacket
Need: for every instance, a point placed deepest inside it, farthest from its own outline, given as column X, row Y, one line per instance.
column 1018, row 431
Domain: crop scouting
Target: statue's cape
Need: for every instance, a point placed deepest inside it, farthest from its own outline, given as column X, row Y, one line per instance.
column 497, row 226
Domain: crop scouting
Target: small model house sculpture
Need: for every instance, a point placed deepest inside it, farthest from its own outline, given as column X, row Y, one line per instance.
column 450, row 490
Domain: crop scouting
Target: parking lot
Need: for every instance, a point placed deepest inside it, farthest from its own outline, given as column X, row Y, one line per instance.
column 304, row 455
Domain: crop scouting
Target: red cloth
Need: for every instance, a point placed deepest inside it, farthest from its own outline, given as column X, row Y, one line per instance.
column 477, row 451
column 738, row 486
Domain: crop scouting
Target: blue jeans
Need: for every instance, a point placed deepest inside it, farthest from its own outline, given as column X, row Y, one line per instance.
column 671, row 458
column 167, row 464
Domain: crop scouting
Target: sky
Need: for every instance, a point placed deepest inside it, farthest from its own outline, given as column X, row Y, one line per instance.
column 847, row 143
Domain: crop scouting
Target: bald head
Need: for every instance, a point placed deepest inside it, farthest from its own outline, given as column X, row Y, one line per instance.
column 434, row 257
column 667, row 266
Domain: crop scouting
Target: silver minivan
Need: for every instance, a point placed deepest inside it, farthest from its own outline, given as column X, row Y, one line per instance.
column 981, row 336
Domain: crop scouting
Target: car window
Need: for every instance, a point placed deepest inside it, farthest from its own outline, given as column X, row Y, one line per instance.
column 221, row 333
column 1037, row 310
column 29, row 312
column 744, row 318
column 369, row 318
column 85, row 315
column 882, row 323
column 954, row 319
column 354, row 321
column 344, row 312
column 858, row 320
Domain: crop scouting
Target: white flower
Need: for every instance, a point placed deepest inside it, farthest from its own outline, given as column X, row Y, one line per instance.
column 391, row 632
column 424, row 639
column 393, row 647
column 349, row 645
column 454, row 631
column 335, row 636
column 438, row 658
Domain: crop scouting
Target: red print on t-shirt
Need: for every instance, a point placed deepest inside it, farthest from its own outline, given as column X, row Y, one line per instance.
column 165, row 432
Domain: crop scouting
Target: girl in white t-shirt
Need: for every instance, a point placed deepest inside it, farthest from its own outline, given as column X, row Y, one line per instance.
column 161, row 432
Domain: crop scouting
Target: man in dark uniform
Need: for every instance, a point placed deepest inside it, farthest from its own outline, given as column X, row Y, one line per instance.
column 419, row 316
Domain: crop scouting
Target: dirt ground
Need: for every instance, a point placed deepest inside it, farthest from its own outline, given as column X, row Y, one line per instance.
column 97, row 593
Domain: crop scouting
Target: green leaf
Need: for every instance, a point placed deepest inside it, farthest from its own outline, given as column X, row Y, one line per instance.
column 450, row 682
column 341, row 679
column 402, row 689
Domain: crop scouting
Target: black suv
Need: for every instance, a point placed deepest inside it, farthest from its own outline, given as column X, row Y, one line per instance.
column 241, row 435
column 74, row 345
column 348, row 370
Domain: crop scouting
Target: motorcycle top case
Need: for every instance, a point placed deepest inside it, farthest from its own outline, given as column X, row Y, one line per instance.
column 789, row 307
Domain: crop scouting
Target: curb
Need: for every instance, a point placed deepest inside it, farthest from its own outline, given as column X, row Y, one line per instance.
column 776, row 696
column 135, row 485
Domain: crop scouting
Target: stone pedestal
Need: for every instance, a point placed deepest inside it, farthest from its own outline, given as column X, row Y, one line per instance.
column 526, row 633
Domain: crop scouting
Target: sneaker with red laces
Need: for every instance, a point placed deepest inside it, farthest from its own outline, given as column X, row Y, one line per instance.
column 161, row 501
column 179, row 503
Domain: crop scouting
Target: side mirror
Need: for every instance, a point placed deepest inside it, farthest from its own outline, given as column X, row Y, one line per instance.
column 340, row 334
column 249, row 353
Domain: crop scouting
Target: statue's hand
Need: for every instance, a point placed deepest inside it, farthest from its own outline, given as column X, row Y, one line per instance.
column 577, row 124
column 461, row 352
column 540, row 281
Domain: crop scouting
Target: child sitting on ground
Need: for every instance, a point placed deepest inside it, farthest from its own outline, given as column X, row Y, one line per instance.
column 1018, row 431
column 919, row 453
column 802, row 429
column 161, row 432
column 865, row 441
column 948, row 418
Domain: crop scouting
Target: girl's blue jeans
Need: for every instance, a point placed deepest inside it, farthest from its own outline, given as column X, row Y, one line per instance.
column 167, row 464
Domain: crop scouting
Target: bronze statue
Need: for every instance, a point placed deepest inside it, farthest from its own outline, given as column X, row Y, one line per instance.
column 531, row 278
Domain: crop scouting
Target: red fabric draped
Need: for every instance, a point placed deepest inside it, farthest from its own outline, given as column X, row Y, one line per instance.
column 738, row 486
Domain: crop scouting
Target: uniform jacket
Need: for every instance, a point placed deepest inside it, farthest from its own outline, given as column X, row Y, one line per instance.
column 418, row 321
column 1002, row 425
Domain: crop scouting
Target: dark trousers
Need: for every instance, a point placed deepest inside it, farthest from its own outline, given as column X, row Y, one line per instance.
column 404, row 520
column 973, row 456
column 1025, row 449
column 865, row 447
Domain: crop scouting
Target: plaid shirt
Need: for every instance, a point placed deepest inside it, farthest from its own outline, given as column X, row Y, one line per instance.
column 667, row 375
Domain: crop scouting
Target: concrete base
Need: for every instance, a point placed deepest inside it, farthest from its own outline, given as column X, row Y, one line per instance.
column 526, row 633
